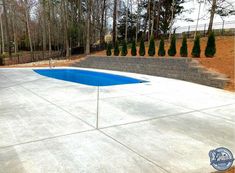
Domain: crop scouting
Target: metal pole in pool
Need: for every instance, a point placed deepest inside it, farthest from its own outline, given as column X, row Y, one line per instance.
column 97, row 108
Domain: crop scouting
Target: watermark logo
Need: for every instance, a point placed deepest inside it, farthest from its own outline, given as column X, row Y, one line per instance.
column 221, row 158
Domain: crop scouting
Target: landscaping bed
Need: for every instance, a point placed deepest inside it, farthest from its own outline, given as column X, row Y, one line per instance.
column 222, row 62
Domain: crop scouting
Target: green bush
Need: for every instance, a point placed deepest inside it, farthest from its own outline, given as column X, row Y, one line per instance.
column 124, row 49
column 196, row 47
column 133, row 49
column 109, row 49
column 210, row 47
column 151, row 50
column 142, row 48
column 161, row 50
column 172, row 49
column 184, row 47
column 116, row 49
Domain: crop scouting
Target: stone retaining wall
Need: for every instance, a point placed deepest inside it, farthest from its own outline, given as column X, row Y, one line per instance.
column 177, row 68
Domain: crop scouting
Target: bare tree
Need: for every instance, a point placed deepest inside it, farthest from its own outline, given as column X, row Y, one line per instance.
column 27, row 19
column 7, row 27
column 65, row 25
column 137, row 22
column 89, row 5
column 102, row 22
column 114, row 20
column 44, row 29
column 49, row 26
column 2, row 34
column 158, row 16
column 153, row 16
column 149, row 17
column 126, row 27
column 212, row 14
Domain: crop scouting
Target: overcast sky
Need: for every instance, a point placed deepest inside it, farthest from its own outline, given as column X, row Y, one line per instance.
column 204, row 16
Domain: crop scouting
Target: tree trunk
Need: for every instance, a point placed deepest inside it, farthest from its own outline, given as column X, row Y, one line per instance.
column 137, row 22
column 49, row 26
column 2, row 35
column 65, row 26
column 126, row 26
column 13, row 23
column 158, row 17
column 88, row 26
column 44, row 43
column 146, row 19
column 28, row 26
column 102, row 23
column 213, row 7
column 114, row 21
column 149, row 18
column 153, row 17
column 172, row 18
column 7, row 27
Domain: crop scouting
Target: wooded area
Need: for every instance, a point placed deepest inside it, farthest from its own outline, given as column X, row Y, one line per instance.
column 48, row 25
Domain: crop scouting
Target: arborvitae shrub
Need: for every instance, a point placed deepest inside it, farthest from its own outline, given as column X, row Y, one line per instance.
column 109, row 49
column 116, row 49
column 172, row 49
column 133, row 49
column 151, row 50
column 196, row 47
column 210, row 47
column 142, row 48
column 124, row 49
column 184, row 48
column 161, row 50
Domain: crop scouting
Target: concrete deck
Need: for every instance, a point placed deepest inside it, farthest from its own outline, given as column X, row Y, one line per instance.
column 166, row 125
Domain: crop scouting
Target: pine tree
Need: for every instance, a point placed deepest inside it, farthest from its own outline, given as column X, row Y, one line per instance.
column 151, row 50
column 116, row 49
column 161, row 50
column 133, row 49
column 172, row 49
column 210, row 47
column 124, row 49
column 109, row 49
column 196, row 47
column 142, row 48
column 184, row 48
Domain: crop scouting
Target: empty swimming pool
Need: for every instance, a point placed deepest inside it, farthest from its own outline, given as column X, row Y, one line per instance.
column 86, row 77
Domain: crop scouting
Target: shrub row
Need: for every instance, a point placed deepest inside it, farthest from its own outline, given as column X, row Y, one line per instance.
column 196, row 51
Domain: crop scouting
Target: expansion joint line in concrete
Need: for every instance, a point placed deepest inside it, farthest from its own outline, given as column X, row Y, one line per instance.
column 199, row 110
column 58, row 107
column 48, row 138
column 132, row 150
column 19, row 84
column 219, row 117
column 150, row 119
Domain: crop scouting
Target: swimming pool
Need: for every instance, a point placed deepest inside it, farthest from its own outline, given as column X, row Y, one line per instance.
column 86, row 77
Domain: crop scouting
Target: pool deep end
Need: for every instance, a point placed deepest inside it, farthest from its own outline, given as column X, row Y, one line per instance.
column 88, row 77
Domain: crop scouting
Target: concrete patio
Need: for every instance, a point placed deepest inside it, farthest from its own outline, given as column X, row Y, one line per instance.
column 165, row 125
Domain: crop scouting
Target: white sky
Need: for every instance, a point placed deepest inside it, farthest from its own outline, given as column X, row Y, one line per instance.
column 204, row 16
